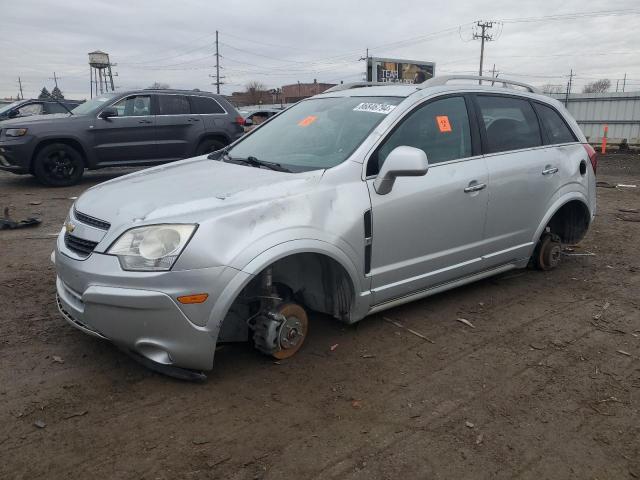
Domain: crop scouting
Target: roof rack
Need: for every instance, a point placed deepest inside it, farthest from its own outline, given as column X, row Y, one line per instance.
column 444, row 79
column 349, row 86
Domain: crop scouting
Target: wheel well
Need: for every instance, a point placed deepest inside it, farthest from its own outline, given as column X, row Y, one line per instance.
column 570, row 222
column 67, row 141
column 220, row 138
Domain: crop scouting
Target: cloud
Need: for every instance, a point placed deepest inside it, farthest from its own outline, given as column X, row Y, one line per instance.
column 285, row 41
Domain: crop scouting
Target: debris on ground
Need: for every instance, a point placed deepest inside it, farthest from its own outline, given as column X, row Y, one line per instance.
column 586, row 254
column 629, row 210
column 622, row 352
column 597, row 316
column 368, row 355
column 399, row 325
column 57, row 359
column 8, row 223
column 466, row 322
column 605, row 185
column 468, row 424
column 622, row 185
column 479, row 439
column 37, row 202
column 333, row 347
column 356, row 403
column 40, row 423
column 628, row 218
column 81, row 413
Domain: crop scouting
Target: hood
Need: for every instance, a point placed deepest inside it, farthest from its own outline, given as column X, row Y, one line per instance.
column 188, row 191
column 34, row 119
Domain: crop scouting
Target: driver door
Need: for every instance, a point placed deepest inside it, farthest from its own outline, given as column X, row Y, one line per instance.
column 429, row 230
column 130, row 137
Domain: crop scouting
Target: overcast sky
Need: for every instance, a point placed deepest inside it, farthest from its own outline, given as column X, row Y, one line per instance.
column 280, row 42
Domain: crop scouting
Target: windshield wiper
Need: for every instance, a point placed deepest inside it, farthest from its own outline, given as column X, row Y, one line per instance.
column 255, row 162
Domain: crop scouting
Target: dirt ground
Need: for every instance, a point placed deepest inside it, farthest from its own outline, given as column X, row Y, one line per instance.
column 545, row 385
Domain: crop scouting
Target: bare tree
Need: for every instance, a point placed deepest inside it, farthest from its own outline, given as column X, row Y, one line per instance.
column 599, row 86
column 256, row 92
column 159, row 86
column 550, row 88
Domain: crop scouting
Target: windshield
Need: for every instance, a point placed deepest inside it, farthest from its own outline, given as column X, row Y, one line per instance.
column 317, row 133
column 6, row 108
column 91, row 105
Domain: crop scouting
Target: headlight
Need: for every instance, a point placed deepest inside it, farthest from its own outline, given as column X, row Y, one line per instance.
column 15, row 132
column 151, row 248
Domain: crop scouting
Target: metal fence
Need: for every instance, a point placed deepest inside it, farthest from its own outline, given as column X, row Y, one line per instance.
column 619, row 111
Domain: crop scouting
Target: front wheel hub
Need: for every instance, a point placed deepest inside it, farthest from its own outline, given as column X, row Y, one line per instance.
column 281, row 331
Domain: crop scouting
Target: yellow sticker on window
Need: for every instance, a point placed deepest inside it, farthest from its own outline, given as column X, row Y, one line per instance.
column 443, row 123
column 305, row 122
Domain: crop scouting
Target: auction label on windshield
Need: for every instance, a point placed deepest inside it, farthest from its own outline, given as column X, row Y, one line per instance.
column 374, row 108
column 305, row 122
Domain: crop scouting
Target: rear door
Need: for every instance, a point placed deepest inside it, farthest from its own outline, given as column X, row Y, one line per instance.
column 130, row 137
column 179, row 130
column 523, row 175
column 429, row 230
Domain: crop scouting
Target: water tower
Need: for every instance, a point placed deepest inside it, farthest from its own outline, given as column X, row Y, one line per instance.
column 100, row 72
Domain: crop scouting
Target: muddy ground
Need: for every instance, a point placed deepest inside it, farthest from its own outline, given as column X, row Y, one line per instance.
column 546, row 384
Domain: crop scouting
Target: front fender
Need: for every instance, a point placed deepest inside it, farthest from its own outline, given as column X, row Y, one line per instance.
column 277, row 252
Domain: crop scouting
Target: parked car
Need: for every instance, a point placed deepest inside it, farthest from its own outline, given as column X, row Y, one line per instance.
column 141, row 127
column 253, row 118
column 348, row 203
column 27, row 108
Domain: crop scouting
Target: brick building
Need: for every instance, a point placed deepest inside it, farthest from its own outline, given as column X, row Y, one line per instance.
column 297, row 91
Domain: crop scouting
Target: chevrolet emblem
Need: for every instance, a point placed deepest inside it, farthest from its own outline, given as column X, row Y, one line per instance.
column 69, row 227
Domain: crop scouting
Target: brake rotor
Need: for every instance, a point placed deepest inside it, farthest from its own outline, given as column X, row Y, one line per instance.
column 293, row 331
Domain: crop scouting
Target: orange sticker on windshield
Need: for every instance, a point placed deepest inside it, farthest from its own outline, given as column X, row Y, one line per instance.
column 305, row 122
column 443, row 123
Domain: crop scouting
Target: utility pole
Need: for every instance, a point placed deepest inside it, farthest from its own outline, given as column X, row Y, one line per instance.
column 494, row 74
column 624, row 82
column 217, row 77
column 617, row 84
column 20, row 83
column 366, row 66
column 569, row 83
column 484, row 27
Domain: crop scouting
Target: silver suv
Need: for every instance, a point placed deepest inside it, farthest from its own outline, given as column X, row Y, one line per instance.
column 348, row 203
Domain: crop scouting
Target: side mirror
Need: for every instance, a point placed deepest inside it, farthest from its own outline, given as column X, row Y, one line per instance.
column 13, row 114
column 402, row 162
column 108, row 113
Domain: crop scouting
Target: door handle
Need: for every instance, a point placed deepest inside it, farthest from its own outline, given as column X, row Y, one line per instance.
column 476, row 187
column 144, row 121
column 549, row 170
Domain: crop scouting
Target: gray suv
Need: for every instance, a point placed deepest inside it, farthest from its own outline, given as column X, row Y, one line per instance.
column 142, row 127
column 348, row 203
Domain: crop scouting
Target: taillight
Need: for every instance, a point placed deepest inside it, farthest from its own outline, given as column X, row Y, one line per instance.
column 593, row 156
column 239, row 120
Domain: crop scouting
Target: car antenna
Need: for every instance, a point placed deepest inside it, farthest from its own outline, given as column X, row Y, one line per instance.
column 59, row 102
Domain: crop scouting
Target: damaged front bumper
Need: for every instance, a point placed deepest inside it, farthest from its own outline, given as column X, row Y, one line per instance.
column 138, row 311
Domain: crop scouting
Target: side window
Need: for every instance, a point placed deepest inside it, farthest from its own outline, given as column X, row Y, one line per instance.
column 510, row 123
column 30, row 109
column 557, row 130
column 439, row 128
column 173, row 105
column 136, row 106
column 56, row 108
column 205, row 105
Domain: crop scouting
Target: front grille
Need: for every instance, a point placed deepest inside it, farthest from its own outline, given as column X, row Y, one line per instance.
column 79, row 245
column 94, row 222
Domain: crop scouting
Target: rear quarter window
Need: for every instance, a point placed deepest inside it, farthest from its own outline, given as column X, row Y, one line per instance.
column 510, row 123
column 205, row 106
column 555, row 127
